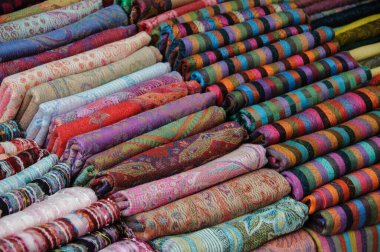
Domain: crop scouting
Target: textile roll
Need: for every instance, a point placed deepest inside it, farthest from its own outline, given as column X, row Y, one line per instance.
column 127, row 245
column 371, row 62
column 210, row 40
column 302, row 149
column 244, row 233
column 39, row 126
column 61, row 72
column 365, row 239
column 357, row 24
column 63, row 230
column 86, row 44
column 9, row 130
column 181, row 155
column 355, row 214
column 266, row 88
column 200, row 60
column 311, row 175
column 259, row 57
column 29, row 174
column 343, row 189
column 15, row 146
column 284, row 106
column 80, row 148
column 56, row 179
column 319, row 117
column 81, row 82
column 19, row 162
column 8, row 6
column 182, row 128
column 54, row 207
column 369, row 30
column 215, row 205
column 157, row 193
column 319, row 6
column 110, row 17
column 47, row 21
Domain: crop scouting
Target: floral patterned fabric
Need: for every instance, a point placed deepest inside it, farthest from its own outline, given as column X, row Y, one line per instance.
column 15, row 146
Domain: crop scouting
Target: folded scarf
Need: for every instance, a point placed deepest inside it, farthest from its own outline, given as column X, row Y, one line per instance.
column 300, row 150
column 86, row 44
column 29, row 174
column 7, row 6
column 9, row 130
column 47, row 21
column 215, row 205
column 244, row 233
column 300, row 99
column 21, row 161
column 39, row 126
column 311, row 175
column 365, row 239
column 81, row 82
column 182, row 128
column 259, row 57
column 356, row 24
column 361, row 43
column 266, row 88
column 127, row 245
column 54, row 180
column 371, row 62
column 54, row 207
column 169, row 159
column 355, row 214
column 210, row 40
column 157, row 193
column 110, row 17
column 102, row 63
column 15, row 146
column 63, row 230
column 80, row 148
column 200, row 60
column 319, row 117
column 369, row 30
column 343, row 189
column 315, row 7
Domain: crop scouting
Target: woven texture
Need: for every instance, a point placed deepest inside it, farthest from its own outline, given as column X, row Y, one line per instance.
column 15, row 146
column 8, row 6
column 128, row 245
column 315, row 7
column 367, row 31
column 9, row 130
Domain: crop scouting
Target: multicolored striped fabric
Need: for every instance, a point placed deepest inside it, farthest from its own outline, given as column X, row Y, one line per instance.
column 15, row 146
column 322, row 116
column 53, row 181
column 9, row 130
column 266, row 88
column 306, row 177
column 128, row 244
column 300, row 99
column 244, row 233
column 343, row 189
column 300, row 150
column 355, row 214
column 365, row 240
column 259, row 57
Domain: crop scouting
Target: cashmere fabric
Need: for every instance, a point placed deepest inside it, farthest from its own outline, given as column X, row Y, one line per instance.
column 15, row 146
column 127, row 245
column 9, row 130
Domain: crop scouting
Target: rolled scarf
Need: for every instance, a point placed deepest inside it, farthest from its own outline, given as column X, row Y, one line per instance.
column 319, row 117
column 200, row 60
column 365, row 239
column 157, row 193
column 21, row 161
column 9, row 130
column 355, row 214
column 91, row 42
column 185, row 127
column 169, row 159
column 244, row 233
column 371, row 62
column 39, row 127
column 302, row 149
column 318, row 6
column 22, row 87
column 73, row 84
column 29, row 174
column 47, row 21
column 8, row 6
column 15, row 146
column 210, row 40
column 128, row 244
column 283, row 106
column 53, row 181
column 266, row 88
column 343, row 189
column 259, row 57
column 366, row 31
column 215, row 205
column 54, row 207
column 80, row 148
column 115, row 113
column 306, row 177
column 63, row 230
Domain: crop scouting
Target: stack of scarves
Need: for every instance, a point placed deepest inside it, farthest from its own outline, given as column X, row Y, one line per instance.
column 15, row 146
column 9, row 130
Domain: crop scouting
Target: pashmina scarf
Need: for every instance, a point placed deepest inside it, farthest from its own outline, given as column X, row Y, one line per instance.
column 15, row 146
column 318, row 6
column 8, row 6
column 367, row 31
column 127, row 245
column 9, row 130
